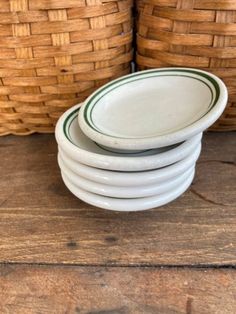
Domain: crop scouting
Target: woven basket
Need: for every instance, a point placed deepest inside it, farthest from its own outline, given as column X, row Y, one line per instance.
column 192, row 33
column 54, row 53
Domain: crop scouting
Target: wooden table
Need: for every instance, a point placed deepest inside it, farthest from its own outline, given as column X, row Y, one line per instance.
column 60, row 255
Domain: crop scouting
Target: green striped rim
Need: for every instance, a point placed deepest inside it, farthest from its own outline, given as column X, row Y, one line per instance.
column 67, row 124
column 66, row 129
column 125, row 80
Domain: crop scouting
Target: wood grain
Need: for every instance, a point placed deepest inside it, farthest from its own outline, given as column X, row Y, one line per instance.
column 93, row 290
column 41, row 222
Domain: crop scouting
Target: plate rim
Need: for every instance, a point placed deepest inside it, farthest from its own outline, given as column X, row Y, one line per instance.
column 216, row 108
column 137, row 163
column 127, row 179
column 124, row 192
column 135, row 204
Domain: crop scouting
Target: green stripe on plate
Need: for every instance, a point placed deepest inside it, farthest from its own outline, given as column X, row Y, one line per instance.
column 155, row 73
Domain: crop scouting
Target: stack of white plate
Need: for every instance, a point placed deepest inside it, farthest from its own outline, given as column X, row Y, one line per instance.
column 134, row 143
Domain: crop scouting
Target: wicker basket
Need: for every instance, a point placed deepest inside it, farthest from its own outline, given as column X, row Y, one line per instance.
column 192, row 33
column 54, row 53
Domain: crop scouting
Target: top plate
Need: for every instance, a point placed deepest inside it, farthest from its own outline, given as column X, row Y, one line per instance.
column 153, row 108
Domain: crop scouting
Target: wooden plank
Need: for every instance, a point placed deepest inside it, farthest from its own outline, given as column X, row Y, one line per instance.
column 42, row 222
column 93, row 290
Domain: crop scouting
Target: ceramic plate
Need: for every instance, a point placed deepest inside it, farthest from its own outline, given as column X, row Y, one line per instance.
column 79, row 147
column 120, row 204
column 153, row 108
column 123, row 192
column 126, row 179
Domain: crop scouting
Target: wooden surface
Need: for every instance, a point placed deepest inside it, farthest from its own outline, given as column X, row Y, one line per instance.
column 115, row 290
column 60, row 255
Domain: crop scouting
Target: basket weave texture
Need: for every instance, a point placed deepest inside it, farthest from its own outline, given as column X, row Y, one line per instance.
column 191, row 33
column 54, row 53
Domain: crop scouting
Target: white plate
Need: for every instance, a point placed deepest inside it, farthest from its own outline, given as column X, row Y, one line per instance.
column 126, row 179
column 153, row 108
column 80, row 148
column 120, row 204
column 123, row 192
